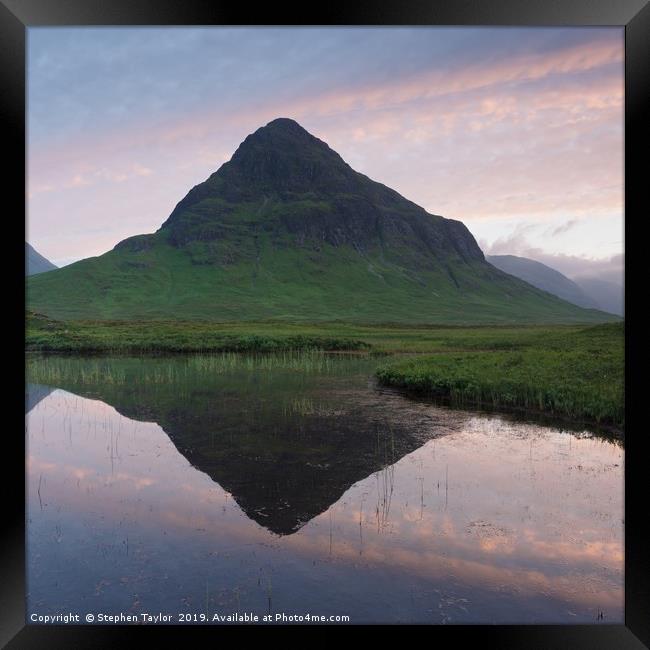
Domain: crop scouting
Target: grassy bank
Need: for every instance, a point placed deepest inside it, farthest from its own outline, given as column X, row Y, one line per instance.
column 570, row 371
column 574, row 374
column 47, row 335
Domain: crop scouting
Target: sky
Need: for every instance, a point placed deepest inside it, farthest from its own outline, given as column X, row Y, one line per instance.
column 517, row 132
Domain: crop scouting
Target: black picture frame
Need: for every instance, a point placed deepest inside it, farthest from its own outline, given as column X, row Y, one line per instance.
column 18, row 15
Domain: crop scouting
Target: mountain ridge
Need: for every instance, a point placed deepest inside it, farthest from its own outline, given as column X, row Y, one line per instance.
column 589, row 292
column 35, row 263
column 283, row 163
column 543, row 277
column 287, row 230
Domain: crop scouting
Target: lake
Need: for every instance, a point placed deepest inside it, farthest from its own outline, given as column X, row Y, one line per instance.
column 291, row 484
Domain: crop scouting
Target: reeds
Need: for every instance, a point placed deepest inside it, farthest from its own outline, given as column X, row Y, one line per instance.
column 581, row 378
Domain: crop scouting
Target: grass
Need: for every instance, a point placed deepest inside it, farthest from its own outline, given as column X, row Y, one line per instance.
column 573, row 374
column 570, row 371
column 82, row 371
column 254, row 276
column 46, row 335
column 85, row 336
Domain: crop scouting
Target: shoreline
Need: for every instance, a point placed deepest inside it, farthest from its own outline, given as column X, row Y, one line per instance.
column 575, row 373
column 517, row 413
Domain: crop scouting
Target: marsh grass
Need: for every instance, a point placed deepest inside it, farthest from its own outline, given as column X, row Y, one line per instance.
column 87, row 337
column 575, row 372
column 161, row 337
column 579, row 375
column 54, row 369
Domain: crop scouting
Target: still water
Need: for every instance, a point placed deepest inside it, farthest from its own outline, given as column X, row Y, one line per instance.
column 291, row 484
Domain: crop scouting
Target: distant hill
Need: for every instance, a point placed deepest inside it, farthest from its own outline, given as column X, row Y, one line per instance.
column 543, row 277
column 287, row 230
column 35, row 262
column 608, row 296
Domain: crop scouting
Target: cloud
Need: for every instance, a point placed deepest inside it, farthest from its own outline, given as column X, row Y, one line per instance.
column 564, row 228
column 133, row 171
column 91, row 176
column 77, row 181
column 512, row 244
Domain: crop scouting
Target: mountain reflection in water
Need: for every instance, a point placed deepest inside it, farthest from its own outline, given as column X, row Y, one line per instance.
column 291, row 483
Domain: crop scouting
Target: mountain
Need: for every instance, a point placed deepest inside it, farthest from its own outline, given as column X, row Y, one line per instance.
column 287, row 230
column 35, row 262
column 608, row 296
column 543, row 277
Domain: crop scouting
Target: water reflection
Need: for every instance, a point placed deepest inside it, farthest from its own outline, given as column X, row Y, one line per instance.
column 223, row 484
column 34, row 393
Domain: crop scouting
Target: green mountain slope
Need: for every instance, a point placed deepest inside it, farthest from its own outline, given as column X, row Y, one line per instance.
column 287, row 230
